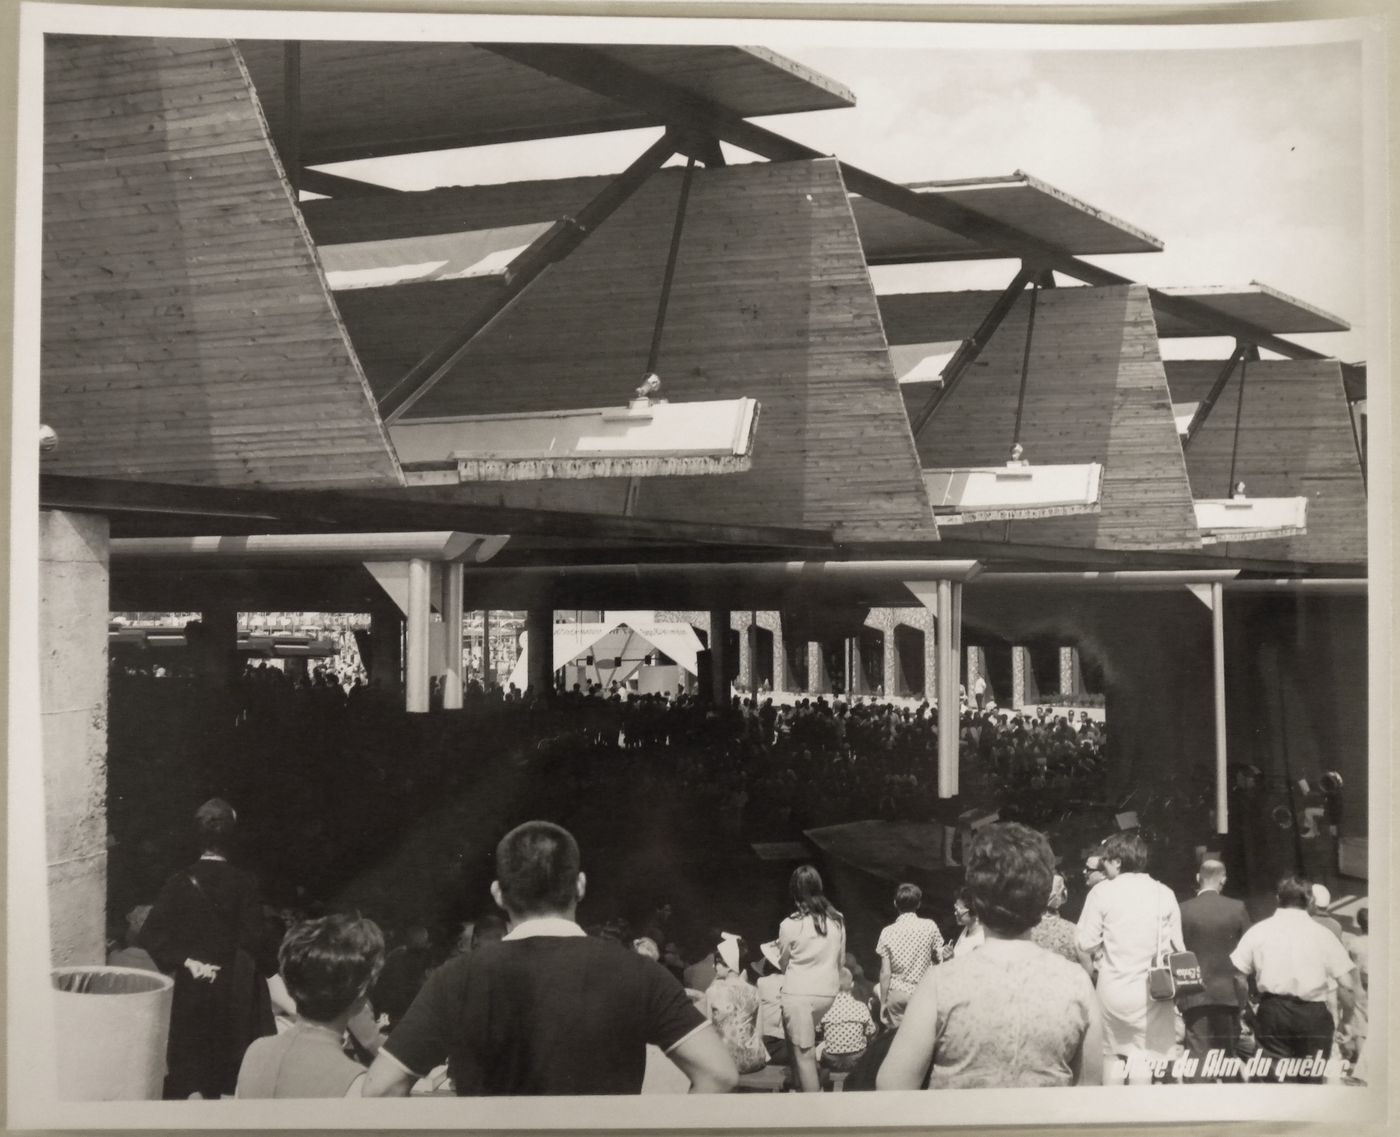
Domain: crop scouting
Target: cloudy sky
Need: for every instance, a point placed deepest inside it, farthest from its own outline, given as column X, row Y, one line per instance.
column 1245, row 162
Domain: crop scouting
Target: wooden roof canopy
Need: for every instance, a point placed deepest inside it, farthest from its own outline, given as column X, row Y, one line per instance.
column 929, row 317
column 357, row 100
column 366, row 100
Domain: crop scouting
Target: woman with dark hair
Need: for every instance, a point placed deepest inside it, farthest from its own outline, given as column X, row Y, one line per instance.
column 328, row 966
column 1131, row 917
column 971, row 934
column 812, row 942
column 206, row 929
column 1009, row 1013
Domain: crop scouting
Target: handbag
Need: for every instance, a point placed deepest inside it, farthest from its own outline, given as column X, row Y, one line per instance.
column 1172, row 973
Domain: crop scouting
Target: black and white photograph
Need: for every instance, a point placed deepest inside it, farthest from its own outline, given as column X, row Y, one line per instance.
column 630, row 572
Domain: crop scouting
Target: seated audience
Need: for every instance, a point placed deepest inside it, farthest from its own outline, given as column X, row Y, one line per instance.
column 328, row 966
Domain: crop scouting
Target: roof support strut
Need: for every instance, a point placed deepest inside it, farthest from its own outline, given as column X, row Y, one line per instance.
column 593, row 72
column 971, row 348
column 1217, row 388
column 524, row 270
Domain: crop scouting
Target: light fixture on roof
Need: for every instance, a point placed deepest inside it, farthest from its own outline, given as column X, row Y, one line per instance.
column 647, row 437
column 1239, row 517
column 1018, row 490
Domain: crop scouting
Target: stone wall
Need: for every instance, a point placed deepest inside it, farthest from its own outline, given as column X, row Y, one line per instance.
column 73, row 613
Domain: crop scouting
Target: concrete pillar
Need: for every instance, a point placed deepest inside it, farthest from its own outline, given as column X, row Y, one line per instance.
column 219, row 644
column 741, row 623
column 539, row 646
column 719, row 650
column 1069, row 671
column 486, row 662
column 930, row 662
column 889, row 664
column 817, row 679
column 73, row 614
column 417, row 653
column 452, row 629
column 386, row 648
column 1023, row 686
column 780, row 666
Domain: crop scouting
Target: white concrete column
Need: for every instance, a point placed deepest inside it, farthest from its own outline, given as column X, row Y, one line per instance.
column 1068, row 685
column 452, row 629
column 816, row 669
column 417, row 636
column 1217, row 620
column 486, row 661
column 948, row 707
column 73, row 614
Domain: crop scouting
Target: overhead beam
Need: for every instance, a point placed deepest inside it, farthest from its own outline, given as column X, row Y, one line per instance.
column 334, row 185
column 594, row 72
column 523, row 271
column 217, row 509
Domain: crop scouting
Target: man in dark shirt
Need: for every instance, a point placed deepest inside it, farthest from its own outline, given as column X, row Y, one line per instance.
column 1211, row 926
column 548, row 1010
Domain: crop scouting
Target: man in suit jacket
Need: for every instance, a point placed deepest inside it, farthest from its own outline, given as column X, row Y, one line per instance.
column 1211, row 925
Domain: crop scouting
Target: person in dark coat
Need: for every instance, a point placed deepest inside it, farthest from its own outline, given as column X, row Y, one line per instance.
column 206, row 929
column 1211, row 926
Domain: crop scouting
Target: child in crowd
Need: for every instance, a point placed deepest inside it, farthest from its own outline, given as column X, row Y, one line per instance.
column 328, row 965
column 846, row 1028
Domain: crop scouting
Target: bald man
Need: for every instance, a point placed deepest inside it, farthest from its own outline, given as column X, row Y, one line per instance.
column 1211, row 926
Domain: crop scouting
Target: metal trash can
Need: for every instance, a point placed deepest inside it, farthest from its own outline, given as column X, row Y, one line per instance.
column 110, row 1029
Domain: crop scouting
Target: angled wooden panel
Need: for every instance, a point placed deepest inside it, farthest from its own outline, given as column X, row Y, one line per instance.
column 1096, row 393
column 359, row 100
column 926, row 317
column 188, row 335
column 1295, row 438
column 1018, row 200
column 1256, row 304
column 771, row 300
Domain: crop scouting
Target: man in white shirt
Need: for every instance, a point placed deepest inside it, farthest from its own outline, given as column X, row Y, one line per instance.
column 1293, row 960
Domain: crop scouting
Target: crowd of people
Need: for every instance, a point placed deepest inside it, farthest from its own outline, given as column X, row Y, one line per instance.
column 528, row 1001
column 753, row 769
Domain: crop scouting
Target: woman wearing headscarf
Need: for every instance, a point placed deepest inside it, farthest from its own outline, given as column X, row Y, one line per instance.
column 812, row 942
column 732, row 1004
column 1131, row 917
column 206, row 929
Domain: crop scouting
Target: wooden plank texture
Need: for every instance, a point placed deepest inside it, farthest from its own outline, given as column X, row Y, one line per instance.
column 1096, row 393
column 917, row 317
column 188, row 335
column 359, row 100
column 1295, row 440
column 1257, row 304
column 1024, row 202
column 771, row 300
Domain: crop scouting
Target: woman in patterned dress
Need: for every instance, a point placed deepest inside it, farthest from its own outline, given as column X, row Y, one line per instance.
column 1009, row 1013
column 732, row 1004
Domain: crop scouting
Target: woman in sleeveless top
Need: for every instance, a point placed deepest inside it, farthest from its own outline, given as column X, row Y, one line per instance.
column 813, row 942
